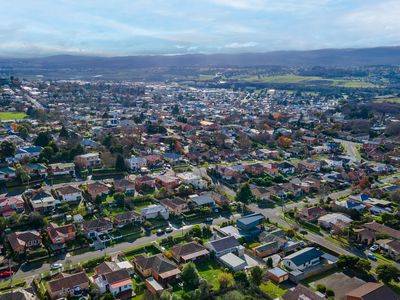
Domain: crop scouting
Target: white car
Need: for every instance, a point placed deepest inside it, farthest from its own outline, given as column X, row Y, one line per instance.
column 56, row 266
column 374, row 248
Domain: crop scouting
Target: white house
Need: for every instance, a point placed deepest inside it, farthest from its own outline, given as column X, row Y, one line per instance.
column 135, row 163
column 154, row 211
column 224, row 246
column 193, row 179
column 115, row 282
column 28, row 152
column 68, row 193
column 328, row 220
column 303, row 259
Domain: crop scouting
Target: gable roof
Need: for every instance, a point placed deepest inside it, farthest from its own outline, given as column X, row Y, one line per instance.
column 157, row 263
column 373, row 291
column 224, row 243
column 67, row 281
column 304, row 255
column 374, row 226
column 189, row 250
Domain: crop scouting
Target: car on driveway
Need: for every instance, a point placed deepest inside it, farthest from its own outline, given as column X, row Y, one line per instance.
column 374, row 248
column 372, row 256
column 56, row 266
column 160, row 232
column 169, row 229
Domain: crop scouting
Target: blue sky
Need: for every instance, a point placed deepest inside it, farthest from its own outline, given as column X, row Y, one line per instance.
column 129, row 27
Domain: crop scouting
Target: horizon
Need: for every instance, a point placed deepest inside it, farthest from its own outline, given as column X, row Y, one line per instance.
column 126, row 28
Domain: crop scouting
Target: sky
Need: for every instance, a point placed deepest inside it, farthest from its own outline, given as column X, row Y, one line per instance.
column 136, row 27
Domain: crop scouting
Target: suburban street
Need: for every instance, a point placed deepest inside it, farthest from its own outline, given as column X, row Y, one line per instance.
column 350, row 148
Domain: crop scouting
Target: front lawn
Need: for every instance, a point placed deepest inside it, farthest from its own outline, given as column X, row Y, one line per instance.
column 210, row 271
column 272, row 289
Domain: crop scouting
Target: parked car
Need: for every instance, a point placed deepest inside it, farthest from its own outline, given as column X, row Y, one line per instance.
column 209, row 219
column 374, row 248
column 4, row 274
column 372, row 256
column 169, row 229
column 160, row 232
column 56, row 266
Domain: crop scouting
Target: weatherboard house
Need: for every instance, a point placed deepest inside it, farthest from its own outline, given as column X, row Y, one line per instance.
column 303, row 259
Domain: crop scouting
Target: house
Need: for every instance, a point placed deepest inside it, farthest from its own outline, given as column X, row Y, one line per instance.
column 115, row 282
column 97, row 189
column 11, row 205
column 167, row 181
column 286, row 168
column 233, row 262
column 135, row 163
column 128, row 218
column 36, row 169
column 7, row 174
column 371, row 291
column 154, row 211
column 193, row 179
column 61, row 169
column 303, row 259
column 367, row 234
column 309, row 166
column 254, row 169
column 202, row 200
column 329, row 220
column 28, row 152
column 25, row 240
column 277, row 275
column 97, row 227
column 267, row 249
column 172, row 158
column 175, row 205
column 68, row 285
column 158, row 267
column 153, row 160
column 390, row 247
column 192, row 251
column 68, row 193
column 18, row 294
column 89, row 160
column 250, row 222
column 224, row 245
column 351, row 205
column 231, row 172
column 61, row 234
column 42, row 201
column 145, row 182
column 301, row 292
column 311, row 213
column 124, row 186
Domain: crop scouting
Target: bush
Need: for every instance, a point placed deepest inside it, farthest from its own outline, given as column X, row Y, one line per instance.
column 321, row 288
column 330, row 293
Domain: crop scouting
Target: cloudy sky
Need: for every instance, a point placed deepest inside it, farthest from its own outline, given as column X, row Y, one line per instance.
column 128, row 27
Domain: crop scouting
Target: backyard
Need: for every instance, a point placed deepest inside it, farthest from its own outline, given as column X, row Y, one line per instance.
column 10, row 115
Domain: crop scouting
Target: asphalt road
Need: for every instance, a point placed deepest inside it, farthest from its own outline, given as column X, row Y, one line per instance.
column 351, row 148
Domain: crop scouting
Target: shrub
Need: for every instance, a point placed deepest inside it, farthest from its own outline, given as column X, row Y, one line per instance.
column 330, row 293
column 321, row 288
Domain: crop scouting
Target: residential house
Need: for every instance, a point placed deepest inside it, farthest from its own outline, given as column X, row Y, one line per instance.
column 153, row 211
column 97, row 227
column 153, row 160
column 36, row 169
column 11, row 205
column 193, row 179
column 224, row 245
column 115, row 282
column 172, row 158
column 145, row 182
column 42, row 201
column 175, row 205
column 255, row 169
column 61, row 169
column 135, row 163
column 68, row 285
column 61, row 234
column 303, row 259
column 231, row 172
column 192, row 251
column 371, row 291
column 68, row 193
column 203, row 200
column 311, row 213
column 277, row 275
column 250, row 222
column 25, row 240
column 28, row 152
column 124, row 186
column 128, row 218
column 367, row 234
column 329, row 220
column 233, row 262
column 390, row 247
column 97, row 189
column 167, row 181
column 266, row 249
column 7, row 174
column 301, row 292
column 158, row 267
column 286, row 168
column 89, row 160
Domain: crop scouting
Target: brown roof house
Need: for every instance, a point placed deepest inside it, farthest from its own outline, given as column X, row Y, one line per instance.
column 158, row 267
column 311, row 213
column 68, row 193
column 128, row 218
column 97, row 189
column 124, row 186
column 372, row 291
column 183, row 253
column 26, row 240
column 116, row 282
column 68, row 285
column 97, row 227
column 175, row 205
column 59, row 235
column 390, row 247
column 302, row 292
column 367, row 234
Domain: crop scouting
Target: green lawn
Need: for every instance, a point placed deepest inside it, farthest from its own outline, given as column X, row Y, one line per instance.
column 272, row 289
column 210, row 271
column 139, row 206
column 389, row 100
column 10, row 115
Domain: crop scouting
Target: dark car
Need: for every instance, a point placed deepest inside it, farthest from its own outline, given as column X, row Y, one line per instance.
column 160, row 232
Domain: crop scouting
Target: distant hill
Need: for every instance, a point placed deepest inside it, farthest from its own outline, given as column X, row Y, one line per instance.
column 324, row 57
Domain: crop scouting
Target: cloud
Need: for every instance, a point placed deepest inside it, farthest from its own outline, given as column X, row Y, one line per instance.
column 237, row 45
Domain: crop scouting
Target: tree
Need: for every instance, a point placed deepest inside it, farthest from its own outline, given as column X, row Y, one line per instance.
column 196, row 231
column 120, row 163
column 284, row 142
column 190, row 275
column 64, row 134
column 36, row 220
column 7, row 149
column 108, row 296
column 244, row 195
column 330, row 293
column 21, row 173
column 23, row 131
column 241, row 277
column 270, row 262
column 204, row 288
column 233, row 295
column 120, row 199
column 225, row 280
column 387, row 273
column 256, row 275
column 43, row 139
column 47, row 153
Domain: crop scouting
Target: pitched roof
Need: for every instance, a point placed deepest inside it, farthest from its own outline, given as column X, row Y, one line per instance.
column 374, row 226
column 117, row 276
column 67, row 281
column 373, row 291
column 158, row 263
column 68, row 189
column 224, row 243
column 189, row 250
column 304, row 255
column 17, row 239
column 302, row 292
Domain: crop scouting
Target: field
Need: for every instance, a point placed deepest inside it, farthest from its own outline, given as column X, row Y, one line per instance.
column 388, row 100
column 10, row 115
column 308, row 80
